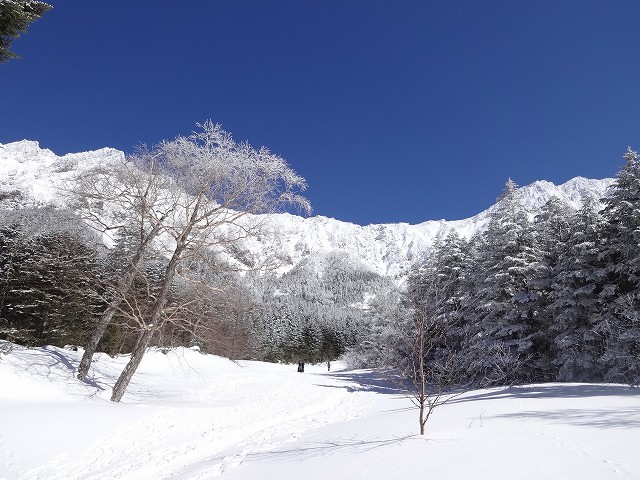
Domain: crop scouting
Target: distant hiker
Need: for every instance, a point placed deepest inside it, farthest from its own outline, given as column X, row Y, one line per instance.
column 300, row 366
column 328, row 366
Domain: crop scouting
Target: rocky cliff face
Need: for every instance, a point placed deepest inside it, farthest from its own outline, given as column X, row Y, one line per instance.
column 387, row 249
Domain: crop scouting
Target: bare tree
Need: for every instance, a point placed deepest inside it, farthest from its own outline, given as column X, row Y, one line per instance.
column 125, row 204
column 432, row 349
column 199, row 199
column 427, row 358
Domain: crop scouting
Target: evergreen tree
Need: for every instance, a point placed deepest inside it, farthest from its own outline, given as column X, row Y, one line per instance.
column 15, row 16
column 321, row 308
column 622, row 253
column 427, row 356
column 375, row 346
column 508, row 342
column 454, row 269
column 552, row 229
column 578, row 297
column 50, row 288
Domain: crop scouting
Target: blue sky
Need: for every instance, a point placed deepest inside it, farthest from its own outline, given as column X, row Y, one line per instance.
column 399, row 111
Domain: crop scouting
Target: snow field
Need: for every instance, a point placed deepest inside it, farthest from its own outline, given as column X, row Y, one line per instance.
column 190, row 416
column 195, row 417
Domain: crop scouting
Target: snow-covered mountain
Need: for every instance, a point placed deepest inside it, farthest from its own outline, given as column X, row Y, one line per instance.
column 387, row 249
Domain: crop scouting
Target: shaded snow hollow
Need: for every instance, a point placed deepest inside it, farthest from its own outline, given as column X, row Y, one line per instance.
column 193, row 416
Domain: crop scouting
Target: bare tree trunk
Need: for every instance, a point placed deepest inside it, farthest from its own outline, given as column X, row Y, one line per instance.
column 215, row 183
column 123, row 286
column 155, row 318
column 136, row 357
column 422, row 398
column 92, row 345
column 432, row 375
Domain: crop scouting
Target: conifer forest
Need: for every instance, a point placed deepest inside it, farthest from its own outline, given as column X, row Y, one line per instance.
column 553, row 296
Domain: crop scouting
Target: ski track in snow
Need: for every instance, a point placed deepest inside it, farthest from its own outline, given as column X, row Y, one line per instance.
column 203, row 442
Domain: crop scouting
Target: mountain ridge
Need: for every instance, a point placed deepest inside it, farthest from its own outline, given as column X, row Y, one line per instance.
column 388, row 249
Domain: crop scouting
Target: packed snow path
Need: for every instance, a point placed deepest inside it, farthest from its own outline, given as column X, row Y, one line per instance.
column 182, row 410
column 192, row 416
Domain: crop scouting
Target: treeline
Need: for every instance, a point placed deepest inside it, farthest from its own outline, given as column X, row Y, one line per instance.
column 556, row 298
column 550, row 298
column 50, row 277
column 317, row 310
column 56, row 278
column 149, row 252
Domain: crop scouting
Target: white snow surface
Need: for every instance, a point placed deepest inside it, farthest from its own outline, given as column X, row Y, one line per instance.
column 192, row 416
column 387, row 249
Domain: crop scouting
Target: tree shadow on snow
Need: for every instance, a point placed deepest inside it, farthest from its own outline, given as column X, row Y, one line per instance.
column 365, row 381
column 588, row 417
column 330, row 447
column 552, row 390
column 45, row 361
column 52, row 363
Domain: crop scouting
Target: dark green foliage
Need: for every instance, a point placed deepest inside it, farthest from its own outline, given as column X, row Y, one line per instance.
column 577, row 295
column 49, row 287
column 505, row 295
column 15, row 16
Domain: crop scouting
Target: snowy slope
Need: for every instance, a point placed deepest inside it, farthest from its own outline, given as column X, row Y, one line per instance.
column 194, row 417
column 388, row 249
column 39, row 173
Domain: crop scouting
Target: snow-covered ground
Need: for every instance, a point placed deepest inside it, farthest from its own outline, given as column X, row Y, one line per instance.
column 193, row 416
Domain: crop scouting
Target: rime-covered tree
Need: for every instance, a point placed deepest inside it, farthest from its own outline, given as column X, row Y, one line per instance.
column 455, row 262
column 622, row 212
column 552, row 230
column 320, row 308
column 127, row 204
column 217, row 185
column 375, row 347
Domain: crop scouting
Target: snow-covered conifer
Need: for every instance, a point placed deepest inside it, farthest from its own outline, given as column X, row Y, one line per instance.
column 577, row 297
column 505, row 298
column 622, row 253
